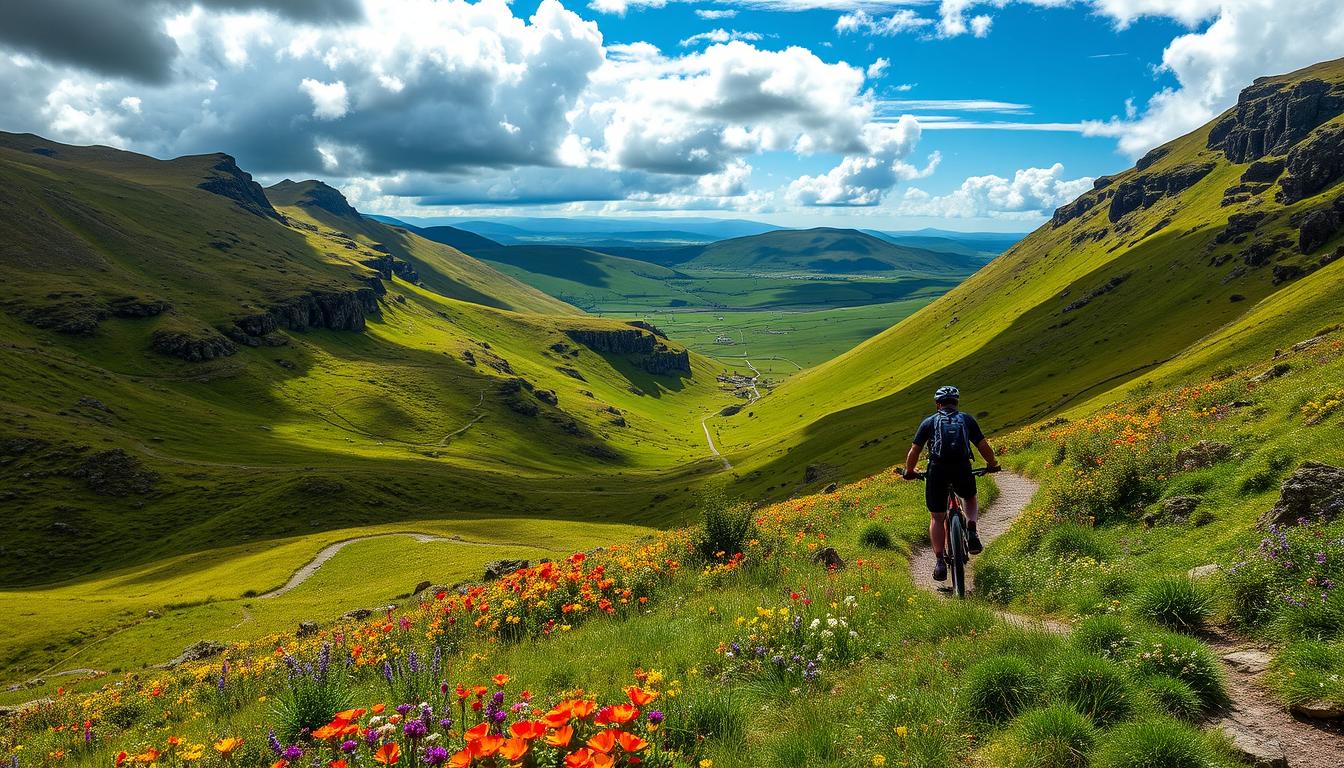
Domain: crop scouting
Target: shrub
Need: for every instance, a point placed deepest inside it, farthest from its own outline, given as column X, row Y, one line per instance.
column 1070, row 540
column 875, row 535
column 1175, row 602
column 999, row 687
column 1095, row 687
column 1313, row 619
column 1104, row 635
column 1291, row 578
column 1153, row 743
column 1174, row 697
column 727, row 527
column 314, row 693
column 1185, row 659
column 1310, row 669
column 1054, row 737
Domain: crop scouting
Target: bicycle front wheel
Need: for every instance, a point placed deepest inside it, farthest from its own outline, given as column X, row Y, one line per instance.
column 957, row 554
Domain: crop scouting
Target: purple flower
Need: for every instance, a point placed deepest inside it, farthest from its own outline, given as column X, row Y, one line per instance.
column 446, row 723
column 497, row 698
column 436, row 756
column 349, row 745
column 323, row 661
column 402, row 709
column 436, row 663
column 1320, row 558
column 274, row 743
column 387, row 672
column 292, row 752
column 416, row 729
column 413, row 661
column 499, row 716
column 371, row 737
column 656, row 717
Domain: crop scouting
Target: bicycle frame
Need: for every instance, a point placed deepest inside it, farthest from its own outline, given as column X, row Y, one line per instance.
column 955, row 545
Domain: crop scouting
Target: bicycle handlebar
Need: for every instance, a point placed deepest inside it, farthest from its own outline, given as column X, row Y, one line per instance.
column 978, row 472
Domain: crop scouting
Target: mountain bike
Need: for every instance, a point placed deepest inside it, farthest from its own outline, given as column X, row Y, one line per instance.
column 956, row 548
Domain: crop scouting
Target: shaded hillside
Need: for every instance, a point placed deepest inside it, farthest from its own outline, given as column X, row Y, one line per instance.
column 189, row 361
column 1152, row 265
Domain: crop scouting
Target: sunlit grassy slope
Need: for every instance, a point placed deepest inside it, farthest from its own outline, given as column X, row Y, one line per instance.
column 1009, row 338
column 415, row 417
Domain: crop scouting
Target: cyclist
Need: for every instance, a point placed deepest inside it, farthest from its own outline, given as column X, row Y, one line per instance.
column 949, row 435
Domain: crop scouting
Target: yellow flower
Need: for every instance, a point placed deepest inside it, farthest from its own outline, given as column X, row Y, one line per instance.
column 706, row 763
column 879, row 759
column 902, row 731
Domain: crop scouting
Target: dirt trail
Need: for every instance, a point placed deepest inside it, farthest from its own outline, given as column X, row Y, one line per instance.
column 329, row 551
column 1255, row 722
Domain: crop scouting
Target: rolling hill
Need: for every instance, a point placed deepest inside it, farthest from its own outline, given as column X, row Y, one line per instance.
column 817, row 251
column 191, row 359
column 1221, row 244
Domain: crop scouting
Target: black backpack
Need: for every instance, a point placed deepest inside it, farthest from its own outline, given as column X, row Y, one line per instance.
column 950, row 441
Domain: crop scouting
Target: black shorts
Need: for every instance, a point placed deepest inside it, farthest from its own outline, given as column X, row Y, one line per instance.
column 942, row 479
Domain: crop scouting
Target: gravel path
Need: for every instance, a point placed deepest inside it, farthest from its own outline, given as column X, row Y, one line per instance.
column 1258, row 725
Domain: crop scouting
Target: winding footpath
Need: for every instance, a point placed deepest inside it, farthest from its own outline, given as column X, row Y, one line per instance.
column 1254, row 722
column 704, row 423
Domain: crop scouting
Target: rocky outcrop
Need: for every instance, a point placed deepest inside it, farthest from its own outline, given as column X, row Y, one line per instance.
column 1110, row 285
column 136, row 306
column 192, row 347
column 1271, row 117
column 1263, row 172
column 1314, row 491
column 649, row 350
column 1201, row 455
column 334, row 310
column 115, row 472
column 498, row 569
column 197, row 652
column 1144, row 190
column 1151, row 158
column 228, row 180
column 1313, row 165
column 650, row 327
column 387, row 266
column 313, row 194
column 1070, row 211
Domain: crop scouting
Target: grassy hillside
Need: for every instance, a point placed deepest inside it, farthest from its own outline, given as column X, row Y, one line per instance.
column 190, row 370
column 1205, row 241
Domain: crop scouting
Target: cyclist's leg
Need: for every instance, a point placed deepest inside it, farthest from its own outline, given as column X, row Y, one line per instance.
column 963, row 484
column 935, row 498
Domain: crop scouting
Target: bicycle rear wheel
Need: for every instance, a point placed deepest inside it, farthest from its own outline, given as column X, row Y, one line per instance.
column 956, row 535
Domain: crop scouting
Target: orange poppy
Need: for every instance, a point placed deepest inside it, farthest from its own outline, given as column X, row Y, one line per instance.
column 581, row 708
column 227, row 747
column 513, row 749
column 640, row 697
column 377, row 709
column 603, row 742
column 630, row 742
column 530, row 730
column 460, row 760
column 556, row 718
column 121, row 757
column 349, row 715
column 580, row 758
column 388, row 754
column 618, row 714
column 281, row 763
column 476, row 731
column 560, row 737
column 337, row 764
column 501, row 680
column 603, row 761
column 486, row 746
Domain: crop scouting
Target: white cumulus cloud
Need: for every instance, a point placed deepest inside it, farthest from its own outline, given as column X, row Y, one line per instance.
column 330, row 100
column 1030, row 194
column 865, row 179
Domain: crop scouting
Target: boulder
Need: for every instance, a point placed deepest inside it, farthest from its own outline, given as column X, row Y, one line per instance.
column 1319, row 709
column 1263, row 171
column 193, row 348
column 498, row 569
column 830, row 488
column 1178, row 509
column 1250, row 661
column 115, row 472
column 1203, row 571
column 306, row 628
column 547, row 396
column 1253, row 748
column 1201, row 455
column 829, row 558
column 1274, row 372
column 357, row 614
column 421, row 587
column 1317, row 228
column 811, row 473
column 198, row 651
column 1313, row 491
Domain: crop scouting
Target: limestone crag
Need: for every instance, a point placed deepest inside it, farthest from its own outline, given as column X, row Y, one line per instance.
column 1313, row 164
column 1144, row 190
column 228, row 180
column 651, row 352
column 1271, row 117
column 192, row 347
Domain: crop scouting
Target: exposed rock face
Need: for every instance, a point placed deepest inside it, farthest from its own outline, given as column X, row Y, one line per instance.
column 135, row 306
column 190, row 347
column 1314, row 490
column 1271, row 117
column 1110, row 285
column 115, row 472
column 1262, row 172
column 652, row 353
column 387, row 266
column 328, row 199
column 1146, row 189
column 650, row 327
column 1070, row 211
column 1201, row 455
column 1313, row 165
column 498, row 569
column 336, row 310
column 1152, row 157
column 547, row 396
column 196, row 652
column 228, row 180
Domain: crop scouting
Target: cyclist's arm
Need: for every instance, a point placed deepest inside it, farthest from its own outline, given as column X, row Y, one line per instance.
column 911, row 459
column 987, row 452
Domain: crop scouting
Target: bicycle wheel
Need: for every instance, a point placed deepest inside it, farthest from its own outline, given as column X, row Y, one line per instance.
column 957, row 554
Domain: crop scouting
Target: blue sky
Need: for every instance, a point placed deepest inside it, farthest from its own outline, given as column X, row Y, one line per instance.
column 893, row 114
